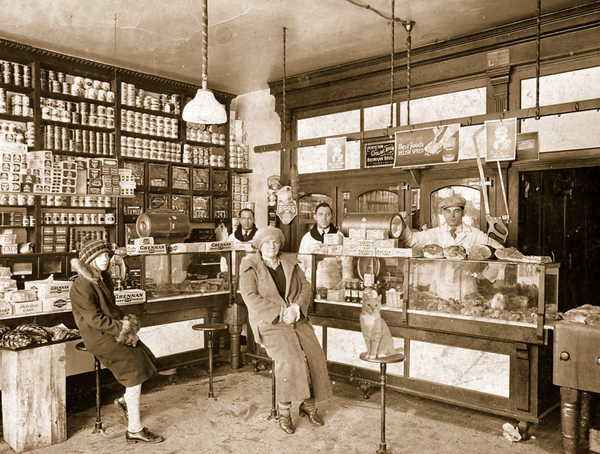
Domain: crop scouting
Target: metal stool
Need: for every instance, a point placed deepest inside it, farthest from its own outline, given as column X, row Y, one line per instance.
column 98, row 424
column 383, row 362
column 209, row 328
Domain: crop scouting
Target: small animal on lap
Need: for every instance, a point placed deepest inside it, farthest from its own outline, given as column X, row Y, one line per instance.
column 374, row 328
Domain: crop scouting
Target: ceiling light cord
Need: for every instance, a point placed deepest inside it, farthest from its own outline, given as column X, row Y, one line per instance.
column 537, row 60
column 204, row 44
column 283, row 123
column 392, row 65
column 408, row 25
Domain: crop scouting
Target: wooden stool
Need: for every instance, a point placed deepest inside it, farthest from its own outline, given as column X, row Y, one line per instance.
column 209, row 328
column 383, row 362
column 98, row 424
column 256, row 363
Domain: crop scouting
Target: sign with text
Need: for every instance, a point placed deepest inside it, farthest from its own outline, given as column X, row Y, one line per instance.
column 528, row 146
column 379, row 154
column 286, row 205
column 427, row 146
column 501, row 140
column 336, row 153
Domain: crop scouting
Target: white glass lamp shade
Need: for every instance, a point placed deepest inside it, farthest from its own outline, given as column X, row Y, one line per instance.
column 205, row 109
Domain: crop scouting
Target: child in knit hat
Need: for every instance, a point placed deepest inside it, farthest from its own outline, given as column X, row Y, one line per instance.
column 110, row 335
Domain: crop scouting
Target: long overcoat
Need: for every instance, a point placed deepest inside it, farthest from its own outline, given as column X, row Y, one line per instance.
column 99, row 321
column 291, row 346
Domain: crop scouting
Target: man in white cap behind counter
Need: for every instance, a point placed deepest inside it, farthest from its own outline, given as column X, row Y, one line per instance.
column 453, row 232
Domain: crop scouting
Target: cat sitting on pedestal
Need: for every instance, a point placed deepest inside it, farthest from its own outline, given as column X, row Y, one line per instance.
column 374, row 328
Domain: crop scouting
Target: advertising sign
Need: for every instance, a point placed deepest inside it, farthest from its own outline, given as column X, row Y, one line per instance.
column 427, row 146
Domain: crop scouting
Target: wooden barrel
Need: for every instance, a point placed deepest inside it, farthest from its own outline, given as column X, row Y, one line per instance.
column 392, row 222
column 164, row 225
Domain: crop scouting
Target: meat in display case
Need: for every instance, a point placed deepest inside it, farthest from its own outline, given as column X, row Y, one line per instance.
column 514, row 299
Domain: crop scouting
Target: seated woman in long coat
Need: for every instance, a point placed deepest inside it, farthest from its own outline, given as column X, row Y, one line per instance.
column 278, row 295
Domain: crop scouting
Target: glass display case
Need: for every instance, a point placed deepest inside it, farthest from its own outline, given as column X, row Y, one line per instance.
column 495, row 299
column 512, row 298
column 181, row 275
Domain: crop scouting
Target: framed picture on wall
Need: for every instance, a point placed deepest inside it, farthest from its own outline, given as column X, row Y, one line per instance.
column 501, row 140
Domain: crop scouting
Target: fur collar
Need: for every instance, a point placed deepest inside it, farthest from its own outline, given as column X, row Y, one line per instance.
column 86, row 271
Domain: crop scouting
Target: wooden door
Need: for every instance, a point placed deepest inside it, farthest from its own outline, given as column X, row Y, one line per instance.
column 558, row 217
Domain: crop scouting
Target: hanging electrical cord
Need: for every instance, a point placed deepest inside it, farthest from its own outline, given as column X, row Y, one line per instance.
column 392, row 64
column 408, row 25
column 537, row 61
column 283, row 119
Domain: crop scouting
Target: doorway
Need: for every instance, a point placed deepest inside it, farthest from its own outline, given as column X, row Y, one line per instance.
column 558, row 217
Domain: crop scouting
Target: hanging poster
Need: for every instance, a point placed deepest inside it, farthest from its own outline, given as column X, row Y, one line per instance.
column 336, row 153
column 427, row 146
column 528, row 146
column 286, row 205
column 501, row 140
column 379, row 154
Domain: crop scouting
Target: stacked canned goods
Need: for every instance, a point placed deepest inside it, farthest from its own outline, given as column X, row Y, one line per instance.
column 77, row 237
column 196, row 155
column 160, row 150
column 239, row 193
column 162, row 102
column 238, row 156
column 58, row 82
column 84, row 113
column 62, row 138
column 19, row 133
column 153, row 125
column 16, row 74
column 15, row 104
column 203, row 133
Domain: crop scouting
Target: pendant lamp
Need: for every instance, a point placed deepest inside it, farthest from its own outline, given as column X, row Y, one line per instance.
column 204, row 108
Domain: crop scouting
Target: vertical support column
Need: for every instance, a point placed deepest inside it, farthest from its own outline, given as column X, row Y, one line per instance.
column 570, row 409
column 382, row 445
column 209, row 336
column 499, row 78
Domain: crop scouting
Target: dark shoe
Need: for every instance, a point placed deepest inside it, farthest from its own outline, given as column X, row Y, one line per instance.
column 313, row 416
column 285, row 422
column 122, row 406
column 144, row 436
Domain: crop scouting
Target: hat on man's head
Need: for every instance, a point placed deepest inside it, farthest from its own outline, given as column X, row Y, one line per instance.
column 264, row 233
column 92, row 249
column 453, row 201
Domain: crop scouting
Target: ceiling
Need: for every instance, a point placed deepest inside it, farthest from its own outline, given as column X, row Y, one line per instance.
column 246, row 36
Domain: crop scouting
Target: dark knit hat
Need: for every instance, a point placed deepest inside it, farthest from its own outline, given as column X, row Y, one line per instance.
column 264, row 233
column 92, row 249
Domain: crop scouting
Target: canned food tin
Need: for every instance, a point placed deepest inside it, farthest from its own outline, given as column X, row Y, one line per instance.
column 110, row 96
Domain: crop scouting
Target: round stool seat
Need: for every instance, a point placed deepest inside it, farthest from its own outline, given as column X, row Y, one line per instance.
column 398, row 357
column 81, row 347
column 209, row 326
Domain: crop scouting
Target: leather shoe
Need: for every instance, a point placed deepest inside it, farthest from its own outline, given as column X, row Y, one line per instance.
column 285, row 422
column 122, row 406
column 313, row 416
column 144, row 436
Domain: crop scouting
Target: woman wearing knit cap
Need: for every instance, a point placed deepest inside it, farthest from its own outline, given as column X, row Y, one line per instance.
column 278, row 295
column 110, row 336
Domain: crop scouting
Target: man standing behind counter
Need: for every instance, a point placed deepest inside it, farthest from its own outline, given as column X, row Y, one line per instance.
column 246, row 229
column 453, row 232
column 446, row 279
column 315, row 236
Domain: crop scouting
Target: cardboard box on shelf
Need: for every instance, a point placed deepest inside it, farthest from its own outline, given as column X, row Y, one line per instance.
column 53, row 289
column 29, row 307
column 187, row 247
column 60, row 303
